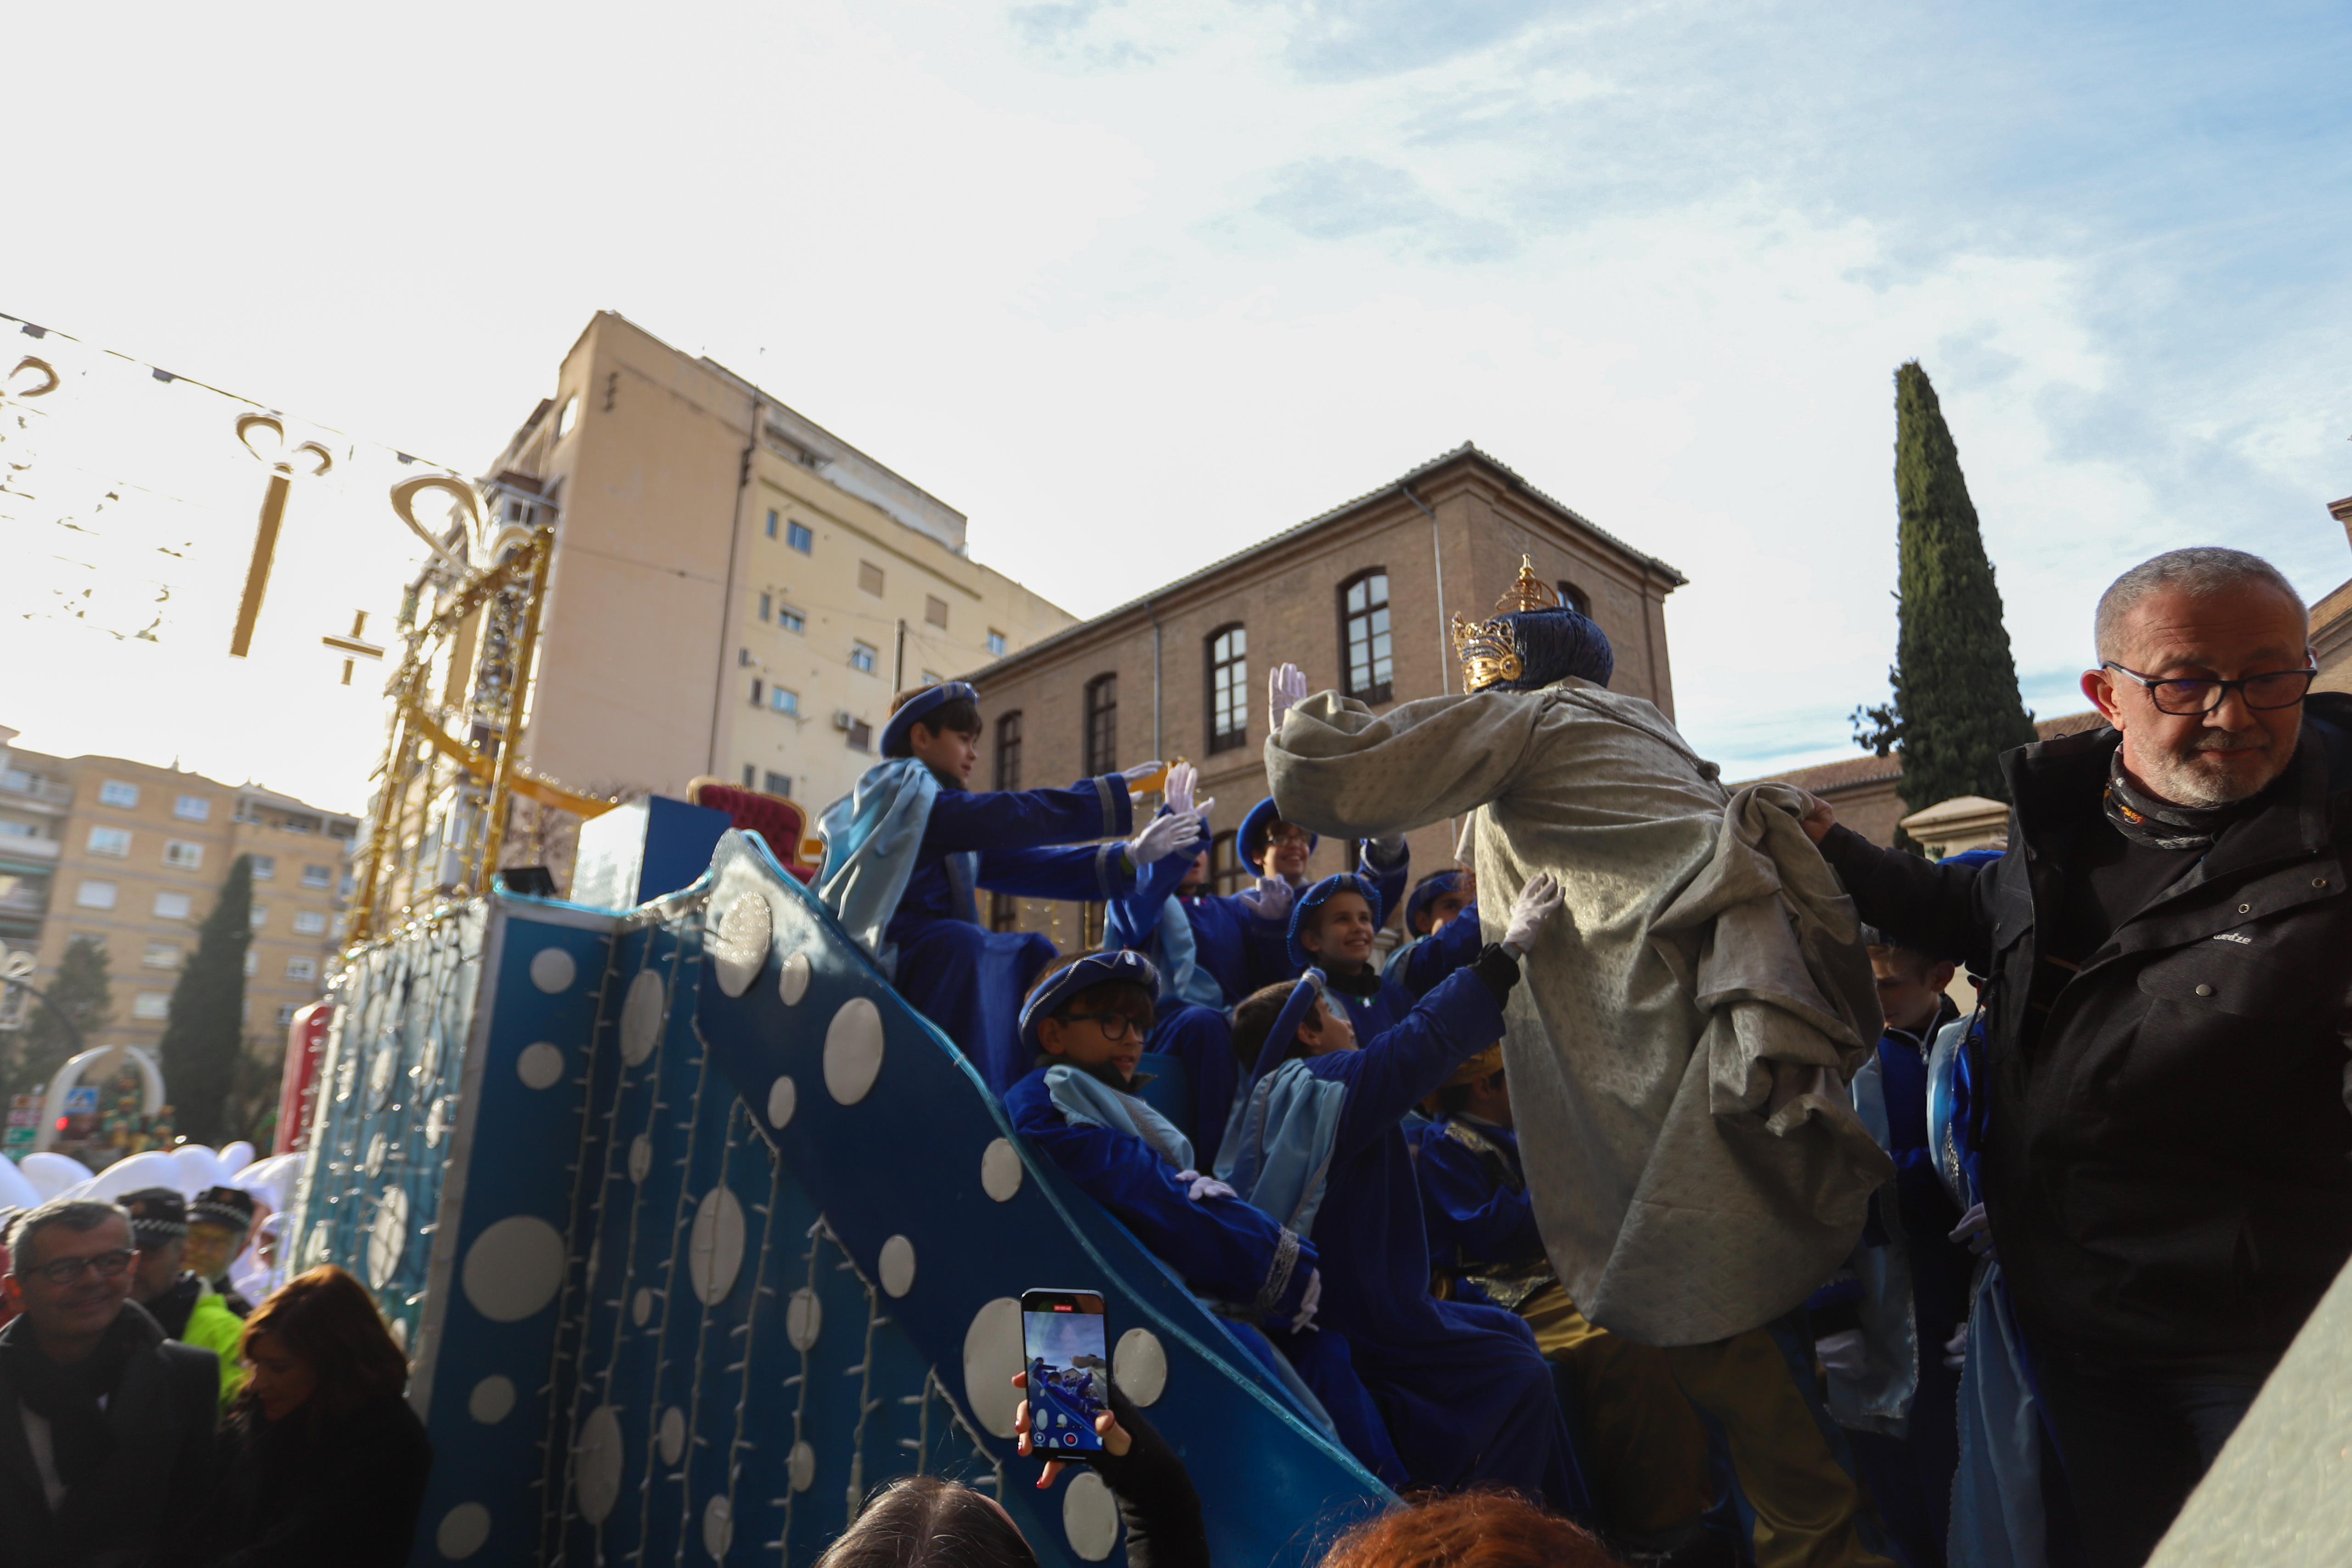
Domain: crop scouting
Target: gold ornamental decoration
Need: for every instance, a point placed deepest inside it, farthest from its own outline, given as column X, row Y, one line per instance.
column 1488, row 652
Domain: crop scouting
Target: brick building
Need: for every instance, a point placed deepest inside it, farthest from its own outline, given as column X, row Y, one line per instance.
column 1358, row 598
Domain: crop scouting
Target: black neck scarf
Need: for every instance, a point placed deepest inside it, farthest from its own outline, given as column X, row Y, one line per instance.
column 67, row 1396
column 2157, row 824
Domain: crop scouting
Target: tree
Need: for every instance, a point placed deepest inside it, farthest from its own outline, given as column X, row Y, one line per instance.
column 1956, row 706
column 206, row 1032
column 81, row 992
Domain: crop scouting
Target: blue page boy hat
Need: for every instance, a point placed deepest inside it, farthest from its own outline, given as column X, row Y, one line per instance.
column 1258, row 829
column 1285, row 1033
column 1426, row 892
column 1315, row 897
column 1094, row 969
column 897, row 735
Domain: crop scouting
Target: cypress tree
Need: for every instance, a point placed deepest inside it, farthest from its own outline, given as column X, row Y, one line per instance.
column 206, row 1032
column 1956, row 706
column 82, row 991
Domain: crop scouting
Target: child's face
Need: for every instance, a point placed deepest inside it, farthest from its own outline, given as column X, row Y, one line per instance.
column 1327, row 1029
column 1196, row 877
column 947, row 751
column 1910, row 988
column 1490, row 1101
column 1107, row 1027
column 1342, row 931
column 1286, row 848
column 1439, row 913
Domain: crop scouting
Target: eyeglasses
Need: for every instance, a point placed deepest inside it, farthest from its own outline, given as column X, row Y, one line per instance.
column 1115, row 1026
column 1297, row 837
column 66, row 1271
column 2281, row 688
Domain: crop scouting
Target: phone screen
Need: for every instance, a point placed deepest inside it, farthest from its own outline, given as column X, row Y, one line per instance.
column 1067, row 1348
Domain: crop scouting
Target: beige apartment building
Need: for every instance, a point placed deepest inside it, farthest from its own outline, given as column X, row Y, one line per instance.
column 736, row 590
column 134, row 856
column 1358, row 598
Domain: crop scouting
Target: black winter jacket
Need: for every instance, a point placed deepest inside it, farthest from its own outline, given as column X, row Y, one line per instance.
column 343, row 1489
column 2167, row 1163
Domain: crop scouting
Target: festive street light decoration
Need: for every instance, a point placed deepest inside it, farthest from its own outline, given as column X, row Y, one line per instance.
column 307, row 459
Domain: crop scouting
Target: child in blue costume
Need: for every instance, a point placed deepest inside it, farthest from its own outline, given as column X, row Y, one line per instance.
column 906, row 853
column 1441, row 921
column 1210, row 952
column 1467, row 1396
column 1332, row 926
column 1274, row 850
column 1087, row 1020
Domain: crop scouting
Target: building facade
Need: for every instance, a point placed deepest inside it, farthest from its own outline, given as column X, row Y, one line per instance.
column 2331, row 621
column 135, row 855
column 736, row 591
column 1358, row 598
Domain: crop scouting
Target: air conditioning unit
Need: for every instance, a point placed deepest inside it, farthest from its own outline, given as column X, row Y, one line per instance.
column 844, row 719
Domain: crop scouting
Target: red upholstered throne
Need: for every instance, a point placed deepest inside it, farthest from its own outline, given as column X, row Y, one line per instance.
column 780, row 821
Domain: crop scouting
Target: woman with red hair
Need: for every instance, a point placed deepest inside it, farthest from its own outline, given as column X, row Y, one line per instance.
column 1468, row 1530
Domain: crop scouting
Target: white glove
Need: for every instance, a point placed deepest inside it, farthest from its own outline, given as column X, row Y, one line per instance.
column 1139, row 775
column 1204, row 1186
column 1385, row 853
column 1956, row 1349
column 1285, row 688
column 1165, row 835
column 1308, row 1301
column 1538, row 902
column 1842, row 1353
column 1178, row 790
column 1972, row 1231
column 1270, row 899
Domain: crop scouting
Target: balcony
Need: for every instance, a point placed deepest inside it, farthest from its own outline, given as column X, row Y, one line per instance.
column 17, row 846
column 21, row 788
column 23, row 900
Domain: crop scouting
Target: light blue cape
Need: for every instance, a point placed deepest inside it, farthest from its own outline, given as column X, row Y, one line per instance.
column 872, row 838
column 1278, row 1151
column 1087, row 1101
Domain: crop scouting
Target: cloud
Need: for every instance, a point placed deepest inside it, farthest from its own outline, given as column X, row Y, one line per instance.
column 1354, row 198
column 1347, row 40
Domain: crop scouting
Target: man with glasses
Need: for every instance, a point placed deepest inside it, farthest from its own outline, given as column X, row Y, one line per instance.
column 106, row 1428
column 2168, row 1150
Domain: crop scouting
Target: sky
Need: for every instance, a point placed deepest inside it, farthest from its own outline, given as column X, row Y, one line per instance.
column 1133, row 285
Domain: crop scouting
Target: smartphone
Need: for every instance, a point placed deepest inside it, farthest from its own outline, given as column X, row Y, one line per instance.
column 1067, row 1348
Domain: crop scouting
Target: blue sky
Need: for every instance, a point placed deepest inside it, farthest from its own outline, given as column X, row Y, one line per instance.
column 1134, row 284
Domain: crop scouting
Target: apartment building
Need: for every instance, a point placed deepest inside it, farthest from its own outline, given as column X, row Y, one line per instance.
column 134, row 855
column 736, row 590
column 1358, row 598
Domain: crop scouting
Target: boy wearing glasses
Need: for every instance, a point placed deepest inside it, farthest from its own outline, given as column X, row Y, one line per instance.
column 110, row 1427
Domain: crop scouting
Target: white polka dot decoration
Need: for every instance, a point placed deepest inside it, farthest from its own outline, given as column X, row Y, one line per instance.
column 853, row 1051
column 791, row 983
column 462, row 1531
column 387, row 1236
column 314, row 1250
column 991, row 1354
column 1089, row 1516
column 641, row 1158
column 803, row 1319
column 382, row 1069
column 898, row 1267
column 377, row 1147
column 716, row 1251
column 436, row 1122
column 596, row 1462
column 492, row 1400
column 739, row 950
column 641, row 1017
column 999, row 1170
column 670, row 1435
column 800, row 1469
column 553, row 971
column 641, row 1306
column 398, row 1328
column 1140, row 1366
column 514, row 1267
column 718, row 1527
column 783, row 1100
column 540, row 1066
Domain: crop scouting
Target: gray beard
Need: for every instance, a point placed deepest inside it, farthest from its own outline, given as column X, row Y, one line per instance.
column 2178, row 780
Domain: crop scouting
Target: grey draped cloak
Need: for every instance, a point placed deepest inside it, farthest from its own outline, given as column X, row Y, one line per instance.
column 1679, row 1055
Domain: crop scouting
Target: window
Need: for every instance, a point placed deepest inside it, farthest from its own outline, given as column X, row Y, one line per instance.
column 789, row 620
column 569, row 417
column 161, row 956
column 1575, row 598
column 114, row 841
column 785, row 702
column 1090, row 924
column 861, row 657
column 193, row 808
column 755, row 691
column 772, row 522
column 310, row 923
column 750, row 776
column 1228, row 688
column 96, row 895
column 152, row 1005
column 1102, row 724
column 317, row 876
column 252, row 963
column 260, row 915
column 1364, row 636
column 264, row 867
column 1226, row 872
column 800, row 539
column 301, row 968
column 767, row 603
column 1004, row 912
column 935, row 610
column 779, row 784
column 1008, row 750
column 861, row 736
column 115, row 792
column 869, row 579
column 286, row 1011
column 996, row 643
column 183, row 855
column 172, row 906
column 9, row 829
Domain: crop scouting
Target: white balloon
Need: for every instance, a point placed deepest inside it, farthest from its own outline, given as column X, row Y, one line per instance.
column 271, row 1180
column 153, row 1168
column 16, row 1191
column 52, row 1174
column 199, row 1168
column 235, row 1157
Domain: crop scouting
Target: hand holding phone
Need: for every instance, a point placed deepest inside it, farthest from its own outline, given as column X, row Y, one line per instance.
column 1066, row 1357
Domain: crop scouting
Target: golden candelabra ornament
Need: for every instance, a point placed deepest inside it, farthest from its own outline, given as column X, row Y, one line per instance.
column 1488, row 652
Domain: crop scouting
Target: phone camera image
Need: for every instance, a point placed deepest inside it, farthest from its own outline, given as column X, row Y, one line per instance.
column 1069, row 1373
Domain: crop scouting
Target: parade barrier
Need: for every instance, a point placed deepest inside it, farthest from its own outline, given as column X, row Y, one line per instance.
column 696, row 1234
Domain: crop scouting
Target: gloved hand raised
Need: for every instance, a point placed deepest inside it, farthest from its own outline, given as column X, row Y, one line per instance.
column 1142, row 773
column 1269, row 900
column 1178, row 790
column 1169, row 833
column 1537, row 902
column 1285, row 688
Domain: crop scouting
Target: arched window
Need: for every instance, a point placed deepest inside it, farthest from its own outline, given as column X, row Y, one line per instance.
column 1575, row 598
column 1226, row 872
column 1364, row 646
column 1102, row 725
column 1008, row 750
column 1228, row 687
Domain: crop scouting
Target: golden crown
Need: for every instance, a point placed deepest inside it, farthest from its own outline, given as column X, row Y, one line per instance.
column 1488, row 652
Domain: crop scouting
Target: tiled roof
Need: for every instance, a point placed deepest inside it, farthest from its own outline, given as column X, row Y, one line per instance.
column 1857, row 772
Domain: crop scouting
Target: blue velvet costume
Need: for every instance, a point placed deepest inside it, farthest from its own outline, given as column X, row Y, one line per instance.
column 1473, row 1219
column 1467, row 1396
column 1376, row 1002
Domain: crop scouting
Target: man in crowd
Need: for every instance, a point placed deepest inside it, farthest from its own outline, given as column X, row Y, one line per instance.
column 219, row 1220
column 183, row 1305
column 106, row 1429
column 2168, row 1170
